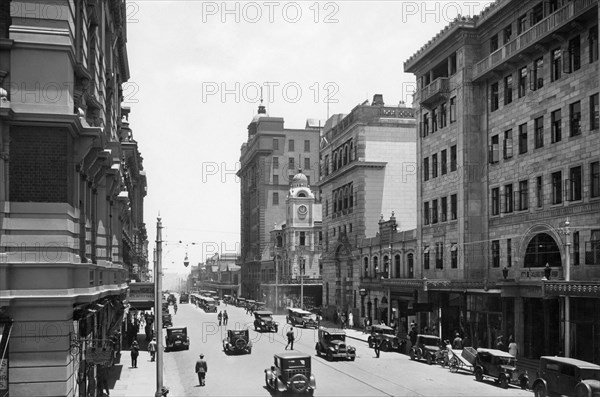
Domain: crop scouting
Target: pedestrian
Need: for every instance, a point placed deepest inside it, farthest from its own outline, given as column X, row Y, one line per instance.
column 466, row 341
column 513, row 348
column 377, row 346
column 343, row 320
column 350, row 320
column 290, row 338
column 365, row 324
column 135, row 352
column 152, row 349
column 412, row 334
column 103, row 379
column 225, row 317
column 500, row 343
column 220, row 317
column 457, row 343
column 201, row 370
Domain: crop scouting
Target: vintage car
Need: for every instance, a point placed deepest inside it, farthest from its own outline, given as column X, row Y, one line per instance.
column 427, row 347
column 167, row 320
column 500, row 366
column 566, row 376
column 291, row 372
column 385, row 337
column 332, row 344
column 177, row 338
column 184, row 298
column 238, row 341
column 301, row 317
column 263, row 321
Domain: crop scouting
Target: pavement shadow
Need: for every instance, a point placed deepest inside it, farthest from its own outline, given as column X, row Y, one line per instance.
column 114, row 375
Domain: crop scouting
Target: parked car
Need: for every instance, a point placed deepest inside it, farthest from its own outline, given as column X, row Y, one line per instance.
column 386, row 336
column 427, row 347
column 500, row 366
column 238, row 341
column 291, row 371
column 184, row 298
column 302, row 318
column 177, row 338
column 566, row 376
column 332, row 344
column 263, row 321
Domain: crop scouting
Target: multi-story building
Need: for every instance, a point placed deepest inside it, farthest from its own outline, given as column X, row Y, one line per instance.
column 221, row 274
column 294, row 276
column 269, row 160
column 508, row 152
column 367, row 169
column 71, row 193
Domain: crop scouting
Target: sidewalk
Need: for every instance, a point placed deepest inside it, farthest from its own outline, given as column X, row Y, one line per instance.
column 126, row 381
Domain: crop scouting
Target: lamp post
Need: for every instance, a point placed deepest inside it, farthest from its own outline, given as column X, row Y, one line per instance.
column 566, row 230
column 158, row 310
column 302, row 267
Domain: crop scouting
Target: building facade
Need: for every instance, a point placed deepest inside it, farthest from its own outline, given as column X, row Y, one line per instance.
column 268, row 162
column 509, row 181
column 293, row 279
column 367, row 168
column 71, row 192
column 221, row 274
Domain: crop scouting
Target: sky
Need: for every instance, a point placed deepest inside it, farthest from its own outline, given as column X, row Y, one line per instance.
column 197, row 70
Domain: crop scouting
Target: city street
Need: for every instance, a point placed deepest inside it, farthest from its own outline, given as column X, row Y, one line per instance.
column 392, row 374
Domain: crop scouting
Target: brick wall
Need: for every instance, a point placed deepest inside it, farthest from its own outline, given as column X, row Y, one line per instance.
column 38, row 165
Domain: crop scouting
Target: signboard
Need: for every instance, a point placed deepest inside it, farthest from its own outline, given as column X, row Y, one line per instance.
column 99, row 355
column 4, row 374
column 141, row 292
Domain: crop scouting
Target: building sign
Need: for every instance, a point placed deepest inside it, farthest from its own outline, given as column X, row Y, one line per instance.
column 4, row 375
column 141, row 292
column 99, row 355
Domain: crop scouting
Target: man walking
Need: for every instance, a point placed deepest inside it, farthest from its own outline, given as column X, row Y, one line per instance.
column 225, row 317
column 152, row 348
column 135, row 352
column 201, row 370
column 220, row 317
column 377, row 347
column 290, row 338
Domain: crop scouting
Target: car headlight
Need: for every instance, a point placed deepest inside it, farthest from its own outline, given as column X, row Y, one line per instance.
column 337, row 347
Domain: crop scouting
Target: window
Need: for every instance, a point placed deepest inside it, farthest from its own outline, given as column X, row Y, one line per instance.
column 425, row 124
column 493, row 43
column 495, row 201
column 275, row 144
column 539, row 132
column 291, row 163
column 508, row 253
column 556, row 65
column 426, row 213
column 444, row 162
column 452, row 110
column 494, row 97
column 574, row 52
column 575, row 118
column 508, row 144
column 434, row 166
column 275, row 198
column 307, row 163
column 592, row 249
column 453, row 207
column 556, row 126
column 593, row 44
column 508, row 89
column 495, row 253
column 594, row 113
column 557, row 187
column 426, row 258
column 439, row 255
column 522, row 81
column 507, row 33
column 291, row 145
column 275, row 162
column 454, row 256
column 494, row 150
column 523, row 138
column 537, row 13
column 434, row 211
column 523, row 195
column 522, row 24
column 539, row 191
column 537, row 77
column 575, row 260
column 575, row 183
column 443, row 115
column 434, row 120
column 444, row 209
column 426, row 169
column 275, row 179
column 307, row 146
column 453, row 158
column 302, row 238
column 595, row 179
column 452, row 59
column 508, row 198
column 326, row 207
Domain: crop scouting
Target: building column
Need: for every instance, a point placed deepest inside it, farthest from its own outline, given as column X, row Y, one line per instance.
column 519, row 334
column 546, row 326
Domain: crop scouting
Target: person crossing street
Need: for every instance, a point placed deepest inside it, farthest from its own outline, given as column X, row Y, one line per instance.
column 290, row 338
column 201, row 370
column 225, row 317
column 152, row 349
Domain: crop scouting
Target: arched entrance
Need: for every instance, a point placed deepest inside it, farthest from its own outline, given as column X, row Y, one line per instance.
column 542, row 249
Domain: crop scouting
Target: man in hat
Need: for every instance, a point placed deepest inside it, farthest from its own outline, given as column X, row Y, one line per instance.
column 201, row 369
column 152, row 348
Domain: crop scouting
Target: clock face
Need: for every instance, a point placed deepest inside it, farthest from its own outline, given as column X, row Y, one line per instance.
column 302, row 211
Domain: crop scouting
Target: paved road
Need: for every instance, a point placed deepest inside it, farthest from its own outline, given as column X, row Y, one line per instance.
column 392, row 374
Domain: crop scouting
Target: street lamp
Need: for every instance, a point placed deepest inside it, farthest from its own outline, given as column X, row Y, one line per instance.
column 302, row 268
column 566, row 230
column 160, row 389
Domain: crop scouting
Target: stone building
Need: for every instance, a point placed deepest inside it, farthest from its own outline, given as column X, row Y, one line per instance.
column 367, row 168
column 268, row 162
column 221, row 274
column 508, row 152
column 72, row 186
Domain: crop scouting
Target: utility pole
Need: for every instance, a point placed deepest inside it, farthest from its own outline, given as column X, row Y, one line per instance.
column 567, row 232
column 302, row 263
column 158, row 310
column 276, row 284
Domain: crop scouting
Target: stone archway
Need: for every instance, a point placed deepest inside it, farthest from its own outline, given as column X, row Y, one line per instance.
column 542, row 249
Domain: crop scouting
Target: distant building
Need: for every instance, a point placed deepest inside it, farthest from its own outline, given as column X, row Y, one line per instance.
column 509, row 150
column 368, row 167
column 269, row 160
column 221, row 274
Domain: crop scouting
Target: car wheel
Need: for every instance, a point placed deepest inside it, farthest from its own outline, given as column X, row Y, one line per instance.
column 503, row 381
column 329, row 356
column 419, row 354
column 352, row 358
column 299, row 383
column 539, row 390
column 583, row 390
column 385, row 347
column 478, row 374
column 454, row 365
column 412, row 354
column 429, row 359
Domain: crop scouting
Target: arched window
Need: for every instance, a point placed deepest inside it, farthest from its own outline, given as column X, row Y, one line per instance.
column 542, row 249
column 375, row 266
column 346, row 198
column 301, row 194
column 339, row 158
column 386, row 265
column 340, row 200
column 334, row 202
column 351, row 195
column 335, row 161
column 279, row 241
column 397, row 266
column 352, row 151
column 366, row 266
column 326, row 207
column 326, row 170
column 410, row 263
column 345, row 154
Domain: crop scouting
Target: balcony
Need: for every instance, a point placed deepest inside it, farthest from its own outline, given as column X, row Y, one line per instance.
column 540, row 33
column 438, row 90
